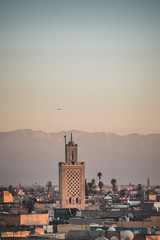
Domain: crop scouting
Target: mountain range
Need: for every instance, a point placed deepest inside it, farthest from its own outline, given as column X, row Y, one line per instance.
column 28, row 156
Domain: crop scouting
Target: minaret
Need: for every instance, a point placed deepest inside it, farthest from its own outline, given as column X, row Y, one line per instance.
column 71, row 178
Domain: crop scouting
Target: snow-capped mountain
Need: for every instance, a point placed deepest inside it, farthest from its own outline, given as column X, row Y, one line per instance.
column 28, row 156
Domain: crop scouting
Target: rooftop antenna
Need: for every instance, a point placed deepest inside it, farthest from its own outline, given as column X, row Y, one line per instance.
column 65, row 148
column 71, row 137
column 65, row 138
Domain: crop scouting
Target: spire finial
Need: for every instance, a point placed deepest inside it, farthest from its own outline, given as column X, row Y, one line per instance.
column 65, row 149
column 71, row 136
column 65, row 138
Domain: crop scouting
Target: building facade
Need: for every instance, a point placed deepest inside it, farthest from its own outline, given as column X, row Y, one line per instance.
column 6, row 197
column 72, row 178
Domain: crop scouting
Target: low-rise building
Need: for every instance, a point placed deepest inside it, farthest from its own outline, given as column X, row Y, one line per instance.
column 6, row 197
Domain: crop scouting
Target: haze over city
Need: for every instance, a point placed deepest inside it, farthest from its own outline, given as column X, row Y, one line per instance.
column 98, row 61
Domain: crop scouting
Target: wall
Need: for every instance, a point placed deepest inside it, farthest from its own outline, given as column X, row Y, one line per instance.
column 17, row 210
column 153, row 237
column 20, row 233
column 34, row 219
column 109, row 234
column 155, row 221
column 65, row 228
column 10, row 219
column 39, row 230
column 63, row 178
column 152, row 197
column 7, row 197
column 84, row 235
column 15, row 234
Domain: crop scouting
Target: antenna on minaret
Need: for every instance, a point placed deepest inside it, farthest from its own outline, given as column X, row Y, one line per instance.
column 65, row 148
column 65, row 138
column 71, row 136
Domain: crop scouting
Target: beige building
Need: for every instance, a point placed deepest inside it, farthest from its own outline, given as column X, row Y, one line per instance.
column 72, row 178
column 34, row 219
column 6, row 197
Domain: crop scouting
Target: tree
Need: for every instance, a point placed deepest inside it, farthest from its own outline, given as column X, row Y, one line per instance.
column 114, row 184
column 49, row 185
column 11, row 190
column 99, row 175
column 100, row 185
column 91, row 186
column 93, row 183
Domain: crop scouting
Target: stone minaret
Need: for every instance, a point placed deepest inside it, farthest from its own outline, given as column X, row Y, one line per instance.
column 72, row 178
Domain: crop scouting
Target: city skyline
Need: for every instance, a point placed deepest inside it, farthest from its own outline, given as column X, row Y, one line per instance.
column 86, row 65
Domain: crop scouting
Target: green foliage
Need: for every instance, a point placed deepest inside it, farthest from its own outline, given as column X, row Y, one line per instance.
column 100, row 185
column 99, row 175
column 114, row 184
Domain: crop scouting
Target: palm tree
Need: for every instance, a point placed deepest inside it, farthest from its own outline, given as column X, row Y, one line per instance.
column 114, row 185
column 90, row 185
column 93, row 183
column 100, row 186
column 99, row 175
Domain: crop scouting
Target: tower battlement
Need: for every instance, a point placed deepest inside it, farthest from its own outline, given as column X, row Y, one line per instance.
column 70, row 164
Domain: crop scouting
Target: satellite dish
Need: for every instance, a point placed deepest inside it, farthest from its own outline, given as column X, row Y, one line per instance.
column 127, row 235
column 154, row 209
column 111, row 229
column 153, row 229
column 130, row 215
column 113, row 238
column 126, row 219
column 33, row 212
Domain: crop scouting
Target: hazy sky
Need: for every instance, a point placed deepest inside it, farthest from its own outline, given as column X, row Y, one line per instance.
column 98, row 60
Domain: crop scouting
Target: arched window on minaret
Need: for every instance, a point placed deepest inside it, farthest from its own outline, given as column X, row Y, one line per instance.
column 72, row 155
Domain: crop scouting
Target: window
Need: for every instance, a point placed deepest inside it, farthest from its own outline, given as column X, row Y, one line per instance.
column 76, row 200
column 70, row 200
column 72, row 155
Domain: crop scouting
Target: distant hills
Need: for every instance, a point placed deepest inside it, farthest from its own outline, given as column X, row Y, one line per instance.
column 28, row 156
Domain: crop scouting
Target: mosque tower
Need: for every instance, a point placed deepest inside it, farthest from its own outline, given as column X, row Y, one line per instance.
column 71, row 178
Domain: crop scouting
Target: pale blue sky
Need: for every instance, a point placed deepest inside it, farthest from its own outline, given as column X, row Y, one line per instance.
column 98, row 60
